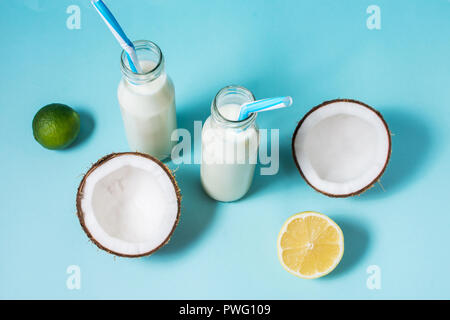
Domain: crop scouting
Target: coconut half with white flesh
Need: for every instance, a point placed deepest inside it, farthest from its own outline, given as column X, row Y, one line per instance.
column 129, row 204
column 341, row 147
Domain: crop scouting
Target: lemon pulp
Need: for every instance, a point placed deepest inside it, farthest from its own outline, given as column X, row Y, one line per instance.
column 310, row 245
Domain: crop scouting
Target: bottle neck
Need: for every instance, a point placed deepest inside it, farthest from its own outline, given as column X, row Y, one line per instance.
column 232, row 95
column 151, row 60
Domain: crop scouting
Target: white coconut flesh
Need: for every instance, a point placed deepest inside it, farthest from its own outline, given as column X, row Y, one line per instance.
column 342, row 147
column 129, row 205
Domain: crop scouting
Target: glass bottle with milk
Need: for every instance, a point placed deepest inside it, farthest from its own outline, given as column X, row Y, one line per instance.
column 229, row 146
column 147, row 102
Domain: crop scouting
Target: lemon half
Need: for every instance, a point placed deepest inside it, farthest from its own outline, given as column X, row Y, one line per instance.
column 310, row 245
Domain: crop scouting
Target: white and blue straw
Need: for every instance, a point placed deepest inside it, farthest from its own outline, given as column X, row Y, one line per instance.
column 118, row 33
column 263, row 105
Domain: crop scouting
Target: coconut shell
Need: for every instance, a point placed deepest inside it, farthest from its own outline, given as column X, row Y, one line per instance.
column 80, row 197
column 374, row 180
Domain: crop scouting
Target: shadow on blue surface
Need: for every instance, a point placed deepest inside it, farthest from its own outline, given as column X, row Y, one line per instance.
column 87, row 126
column 197, row 209
column 357, row 242
column 287, row 170
column 412, row 142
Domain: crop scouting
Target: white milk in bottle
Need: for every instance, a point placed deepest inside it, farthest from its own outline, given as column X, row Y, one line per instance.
column 229, row 146
column 147, row 102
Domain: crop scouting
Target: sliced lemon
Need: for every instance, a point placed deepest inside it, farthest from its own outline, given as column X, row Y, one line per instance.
column 310, row 245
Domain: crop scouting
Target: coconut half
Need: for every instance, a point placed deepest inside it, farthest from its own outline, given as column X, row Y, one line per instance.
column 129, row 204
column 341, row 147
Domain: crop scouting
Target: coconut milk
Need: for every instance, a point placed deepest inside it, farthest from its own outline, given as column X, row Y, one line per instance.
column 147, row 104
column 229, row 152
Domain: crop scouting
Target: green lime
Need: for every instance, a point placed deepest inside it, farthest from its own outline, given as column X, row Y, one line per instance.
column 56, row 126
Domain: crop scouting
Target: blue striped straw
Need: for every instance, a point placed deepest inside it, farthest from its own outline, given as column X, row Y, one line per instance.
column 263, row 105
column 118, row 33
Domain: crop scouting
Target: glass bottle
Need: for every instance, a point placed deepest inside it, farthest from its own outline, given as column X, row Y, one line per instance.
column 147, row 102
column 229, row 146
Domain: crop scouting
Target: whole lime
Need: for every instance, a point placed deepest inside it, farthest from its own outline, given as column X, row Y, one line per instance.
column 56, row 126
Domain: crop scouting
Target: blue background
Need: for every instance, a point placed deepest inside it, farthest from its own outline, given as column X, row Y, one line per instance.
column 312, row 50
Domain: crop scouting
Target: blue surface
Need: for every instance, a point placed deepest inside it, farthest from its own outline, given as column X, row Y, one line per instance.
column 311, row 50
